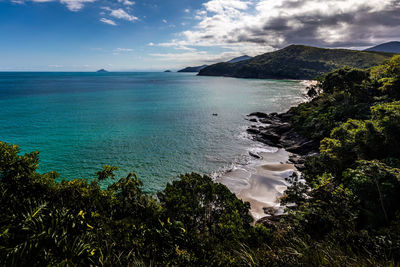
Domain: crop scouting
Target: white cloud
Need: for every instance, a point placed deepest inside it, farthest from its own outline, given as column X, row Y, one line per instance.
column 108, row 21
column 176, row 46
column 165, row 21
column 122, row 14
column 151, row 44
column 123, row 50
column 126, row 2
column 226, row 6
column 187, row 10
column 73, row 5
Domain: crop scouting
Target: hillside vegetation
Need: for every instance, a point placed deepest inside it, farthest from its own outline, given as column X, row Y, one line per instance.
column 345, row 213
column 296, row 62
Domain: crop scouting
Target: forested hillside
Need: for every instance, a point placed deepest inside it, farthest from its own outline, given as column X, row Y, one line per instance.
column 296, row 62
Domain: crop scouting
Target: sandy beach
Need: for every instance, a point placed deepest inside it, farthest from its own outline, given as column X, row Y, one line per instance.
column 261, row 183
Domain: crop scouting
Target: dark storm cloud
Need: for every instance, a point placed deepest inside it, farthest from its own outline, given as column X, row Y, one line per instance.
column 362, row 26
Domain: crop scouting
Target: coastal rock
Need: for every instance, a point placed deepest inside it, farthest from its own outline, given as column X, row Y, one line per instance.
column 300, row 167
column 271, row 119
column 259, row 115
column 270, row 135
column 285, row 116
column 277, row 131
column 281, row 128
column 253, row 131
column 254, row 155
column 295, row 159
column 267, row 141
column 303, row 148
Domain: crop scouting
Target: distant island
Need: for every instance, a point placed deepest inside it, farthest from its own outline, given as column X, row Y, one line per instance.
column 102, row 71
column 167, row 71
column 391, row 47
column 296, row 62
column 193, row 69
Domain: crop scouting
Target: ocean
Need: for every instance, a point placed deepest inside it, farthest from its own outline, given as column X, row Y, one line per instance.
column 158, row 125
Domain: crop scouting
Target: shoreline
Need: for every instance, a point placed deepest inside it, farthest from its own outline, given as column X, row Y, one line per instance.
column 263, row 181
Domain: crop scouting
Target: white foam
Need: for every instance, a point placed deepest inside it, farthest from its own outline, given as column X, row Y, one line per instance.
column 260, row 181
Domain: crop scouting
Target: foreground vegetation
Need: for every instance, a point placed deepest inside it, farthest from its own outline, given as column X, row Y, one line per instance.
column 296, row 62
column 346, row 210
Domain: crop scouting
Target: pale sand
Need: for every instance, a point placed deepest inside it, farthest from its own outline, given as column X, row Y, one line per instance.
column 278, row 167
column 262, row 183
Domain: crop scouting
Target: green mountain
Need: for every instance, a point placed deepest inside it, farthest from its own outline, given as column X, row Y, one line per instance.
column 391, row 47
column 296, row 62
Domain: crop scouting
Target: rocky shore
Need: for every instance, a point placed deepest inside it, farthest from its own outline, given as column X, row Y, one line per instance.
column 276, row 130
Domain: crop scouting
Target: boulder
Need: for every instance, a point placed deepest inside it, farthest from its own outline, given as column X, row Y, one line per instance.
column 258, row 115
column 254, row 155
column 303, row 148
column 270, row 135
column 253, row 131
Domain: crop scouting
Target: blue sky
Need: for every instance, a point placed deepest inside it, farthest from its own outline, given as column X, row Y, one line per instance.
column 81, row 35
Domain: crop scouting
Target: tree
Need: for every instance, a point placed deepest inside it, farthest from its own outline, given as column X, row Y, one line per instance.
column 107, row 172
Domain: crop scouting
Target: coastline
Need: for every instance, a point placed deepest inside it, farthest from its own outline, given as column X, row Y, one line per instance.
column 278, row 153
column 262, row 182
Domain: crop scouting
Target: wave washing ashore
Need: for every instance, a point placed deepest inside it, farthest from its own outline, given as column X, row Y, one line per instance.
column 262, row 180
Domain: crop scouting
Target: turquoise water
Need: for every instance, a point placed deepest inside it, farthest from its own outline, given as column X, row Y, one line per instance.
column 158, row 125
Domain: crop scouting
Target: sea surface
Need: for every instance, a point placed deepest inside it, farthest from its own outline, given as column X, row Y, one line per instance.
column 158, row 125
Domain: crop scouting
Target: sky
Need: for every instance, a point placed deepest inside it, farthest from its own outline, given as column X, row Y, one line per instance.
column 153, row 35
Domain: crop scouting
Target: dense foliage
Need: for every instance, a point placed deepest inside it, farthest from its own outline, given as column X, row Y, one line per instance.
column 194, row 221
column 296, row 62
column 343, row 212
column 352, row 188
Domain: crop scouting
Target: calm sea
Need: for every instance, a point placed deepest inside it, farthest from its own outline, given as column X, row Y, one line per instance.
column 158, row 125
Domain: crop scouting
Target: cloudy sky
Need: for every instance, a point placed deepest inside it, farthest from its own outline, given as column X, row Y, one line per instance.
column 137, row 35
